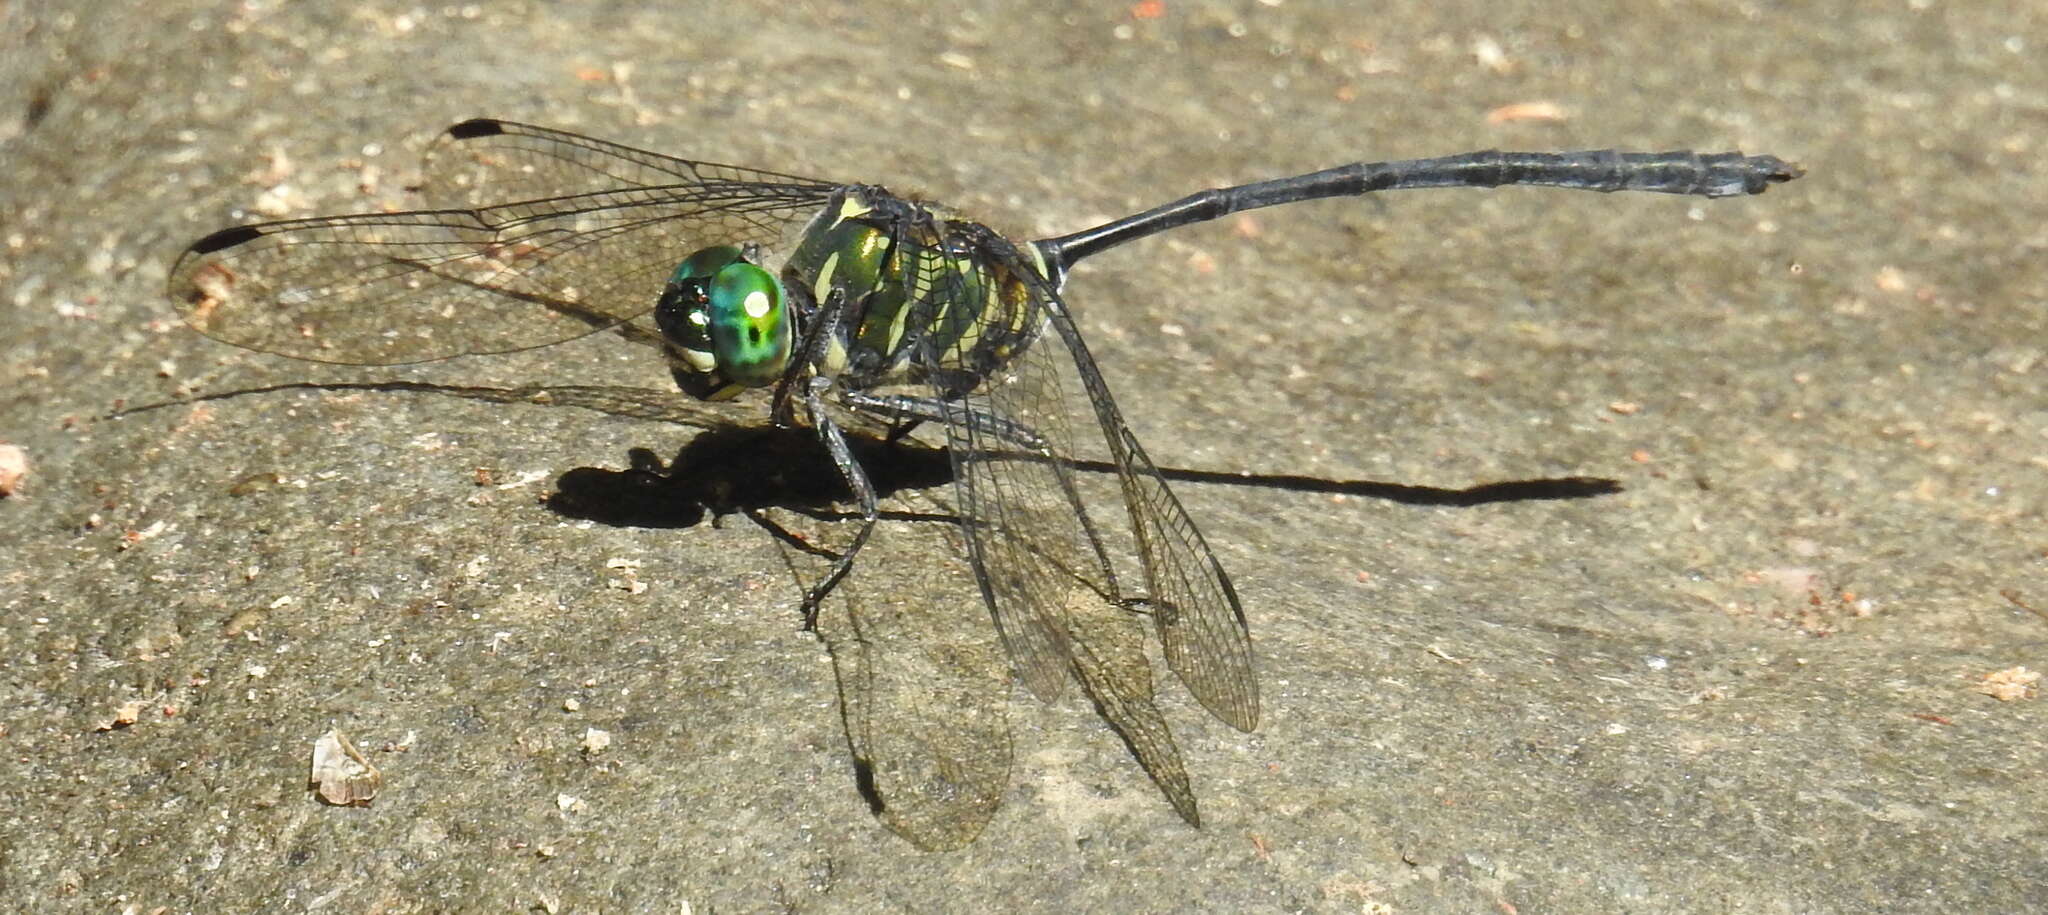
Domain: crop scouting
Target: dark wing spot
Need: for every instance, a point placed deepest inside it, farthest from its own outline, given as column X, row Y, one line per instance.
column 225, row 238
column 477, row 127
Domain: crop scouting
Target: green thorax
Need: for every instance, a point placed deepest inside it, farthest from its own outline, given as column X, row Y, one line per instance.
column 919, row 295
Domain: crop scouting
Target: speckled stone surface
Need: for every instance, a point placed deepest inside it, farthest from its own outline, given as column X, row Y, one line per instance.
column 1745, row 682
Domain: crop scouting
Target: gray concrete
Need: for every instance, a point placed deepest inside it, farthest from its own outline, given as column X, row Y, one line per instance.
column 1744, row 683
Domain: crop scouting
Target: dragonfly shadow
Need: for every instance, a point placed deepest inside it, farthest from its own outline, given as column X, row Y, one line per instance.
column 742, row 470
column 734, row 466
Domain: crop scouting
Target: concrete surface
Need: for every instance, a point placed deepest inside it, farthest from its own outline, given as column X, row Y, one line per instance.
column 1747, row 682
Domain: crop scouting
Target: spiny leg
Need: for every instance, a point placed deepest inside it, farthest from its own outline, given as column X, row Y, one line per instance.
column 901, row 407
column 815, row 342
column 856, row 480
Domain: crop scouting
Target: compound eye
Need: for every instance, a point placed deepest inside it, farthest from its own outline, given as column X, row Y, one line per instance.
column 749, row 328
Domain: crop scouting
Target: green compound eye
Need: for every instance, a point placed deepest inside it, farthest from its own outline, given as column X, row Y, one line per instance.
column 725, row 323
column 749, row 333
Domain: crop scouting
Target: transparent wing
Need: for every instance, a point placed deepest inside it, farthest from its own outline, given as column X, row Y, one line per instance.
column 1027, row 528
column 923, row 691
column 1040, row 557
column 1200, row 622
column 552, row 236
column 1032, row 527
column 485, row 161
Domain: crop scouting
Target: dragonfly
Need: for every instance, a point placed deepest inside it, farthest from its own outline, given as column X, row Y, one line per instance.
column 885, row 312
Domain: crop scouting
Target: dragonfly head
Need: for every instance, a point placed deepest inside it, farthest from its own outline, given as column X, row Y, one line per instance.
column 725, row 324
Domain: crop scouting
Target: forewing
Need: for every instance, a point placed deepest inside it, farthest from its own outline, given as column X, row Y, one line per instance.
column 497, row 274
column 1028, row 533
column 1196, row 611
column 1040, row 550
column 484, row 161
column 923, row 688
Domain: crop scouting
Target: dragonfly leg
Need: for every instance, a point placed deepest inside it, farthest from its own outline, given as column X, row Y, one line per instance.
column 809, row 358
column 856, row 480
column 900, row 408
